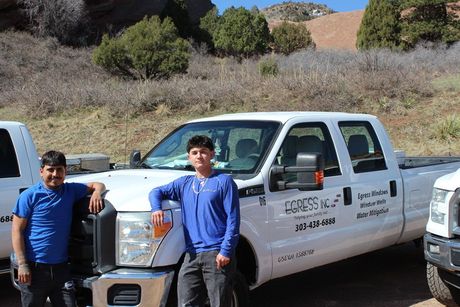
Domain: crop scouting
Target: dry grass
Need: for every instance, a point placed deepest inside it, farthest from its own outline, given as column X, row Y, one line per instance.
column 71, row 105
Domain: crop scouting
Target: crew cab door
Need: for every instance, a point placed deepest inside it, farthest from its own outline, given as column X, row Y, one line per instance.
column 15, row 175
column 306, row 226
column 374, row 188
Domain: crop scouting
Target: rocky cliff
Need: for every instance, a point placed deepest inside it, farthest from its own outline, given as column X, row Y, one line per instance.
column 102, row 13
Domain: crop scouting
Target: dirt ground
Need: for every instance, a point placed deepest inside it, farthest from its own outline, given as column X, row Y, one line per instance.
column 392, row 277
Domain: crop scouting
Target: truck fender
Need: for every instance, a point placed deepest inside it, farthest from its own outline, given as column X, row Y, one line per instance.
column 171, row 248
column 253, row 254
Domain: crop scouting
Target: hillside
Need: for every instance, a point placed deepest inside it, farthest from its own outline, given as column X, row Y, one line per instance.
column 334, row 31
column 74, row 106
column 295, row 11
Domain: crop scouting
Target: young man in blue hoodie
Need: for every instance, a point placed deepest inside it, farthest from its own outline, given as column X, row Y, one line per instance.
column 211, row 220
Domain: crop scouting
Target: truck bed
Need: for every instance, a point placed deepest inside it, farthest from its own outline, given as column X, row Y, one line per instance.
column 413, row 162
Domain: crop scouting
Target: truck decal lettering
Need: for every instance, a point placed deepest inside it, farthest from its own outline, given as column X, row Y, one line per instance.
column 6, row 218
column 314, row 224
column 286, row 258
column 307, row 204
column 297, row 254
column 373, row 212
column 251, row 191
column 304, row 253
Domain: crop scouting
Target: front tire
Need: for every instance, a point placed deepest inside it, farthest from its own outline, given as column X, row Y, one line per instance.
column 240, row 291
column 446, row 295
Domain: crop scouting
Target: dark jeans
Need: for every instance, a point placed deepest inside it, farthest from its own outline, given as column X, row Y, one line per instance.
column 53, row 281
column 199, row 276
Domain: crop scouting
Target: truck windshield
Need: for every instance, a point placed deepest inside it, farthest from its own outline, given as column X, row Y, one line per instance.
column 240, row 146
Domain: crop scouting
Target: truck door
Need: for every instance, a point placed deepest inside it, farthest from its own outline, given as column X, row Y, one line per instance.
column 306, row 226
column 373, row 188
column 13, row 178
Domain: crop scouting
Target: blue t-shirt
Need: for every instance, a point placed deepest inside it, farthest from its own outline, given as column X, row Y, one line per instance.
column 210, row 211
column 49, row 217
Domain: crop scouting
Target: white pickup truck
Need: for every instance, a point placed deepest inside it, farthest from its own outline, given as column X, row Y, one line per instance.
column 19, row 167
column 442, row 240
column 291, row 220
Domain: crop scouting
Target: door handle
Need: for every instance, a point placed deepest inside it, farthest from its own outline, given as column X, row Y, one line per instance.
column 347, row 196
column 393, row 188
column 22, row 190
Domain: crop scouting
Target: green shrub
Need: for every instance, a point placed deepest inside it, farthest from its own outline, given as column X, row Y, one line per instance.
column 449, row 128
column 241, row 33
column 150, row 49
column 289, row 37
column 208, row 27
column 268, row 67
column 380, row 26
column 429, row 21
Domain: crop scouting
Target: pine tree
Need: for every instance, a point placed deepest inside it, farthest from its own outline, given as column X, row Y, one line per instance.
column 290, row 37
column 208, row 27
column 428, row 21
column 150, row 49
column 241, row 33
column 380, row 26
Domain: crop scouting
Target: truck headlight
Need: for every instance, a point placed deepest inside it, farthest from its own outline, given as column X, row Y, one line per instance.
column 439, row 206
column 138, row 239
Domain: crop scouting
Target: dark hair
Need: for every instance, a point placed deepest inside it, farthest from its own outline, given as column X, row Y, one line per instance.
column 53, row 158
column 200, row 141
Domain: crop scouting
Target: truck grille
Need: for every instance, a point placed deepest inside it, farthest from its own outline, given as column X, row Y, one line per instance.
column 92, row 239
column 455, row 257
column 124, row 295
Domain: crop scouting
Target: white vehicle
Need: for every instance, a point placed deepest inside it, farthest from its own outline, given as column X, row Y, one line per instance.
column 314, row 188
column 442, row 240
column 19, row 167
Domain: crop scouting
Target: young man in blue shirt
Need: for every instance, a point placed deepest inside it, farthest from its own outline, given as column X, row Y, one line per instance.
column 40, row 232
column 211, row 221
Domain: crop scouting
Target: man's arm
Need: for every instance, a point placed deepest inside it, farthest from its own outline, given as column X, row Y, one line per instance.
column 17, row 237
column 96, row 202
column 169, row 191
column 155, row 197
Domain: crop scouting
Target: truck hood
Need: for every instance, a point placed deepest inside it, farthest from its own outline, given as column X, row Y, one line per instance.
column 128, row 190
column 449, row 182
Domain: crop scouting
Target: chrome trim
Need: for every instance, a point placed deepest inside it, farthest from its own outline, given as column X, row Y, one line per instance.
column 443, row 259
column 455, row 200
column 154, row 285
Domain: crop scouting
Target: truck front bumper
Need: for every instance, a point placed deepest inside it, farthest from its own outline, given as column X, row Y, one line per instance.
column 123, row 287
column 130, row 287
column 445, row 255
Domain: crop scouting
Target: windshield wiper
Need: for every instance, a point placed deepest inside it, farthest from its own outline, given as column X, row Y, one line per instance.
column 144, row 165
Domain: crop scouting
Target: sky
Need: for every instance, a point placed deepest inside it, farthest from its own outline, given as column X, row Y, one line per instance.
column 336, row 5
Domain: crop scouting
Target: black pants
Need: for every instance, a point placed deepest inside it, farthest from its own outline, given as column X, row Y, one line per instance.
column 199, row 276
column 49, row 280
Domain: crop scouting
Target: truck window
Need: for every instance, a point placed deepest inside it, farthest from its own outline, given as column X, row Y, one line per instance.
column 363, row 146
column 8, row 161
column 240, row 146
column 309, row 137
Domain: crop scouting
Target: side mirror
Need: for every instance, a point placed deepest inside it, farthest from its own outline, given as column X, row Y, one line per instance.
column 309, row 169
column 134, row 158
column 314, row 177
